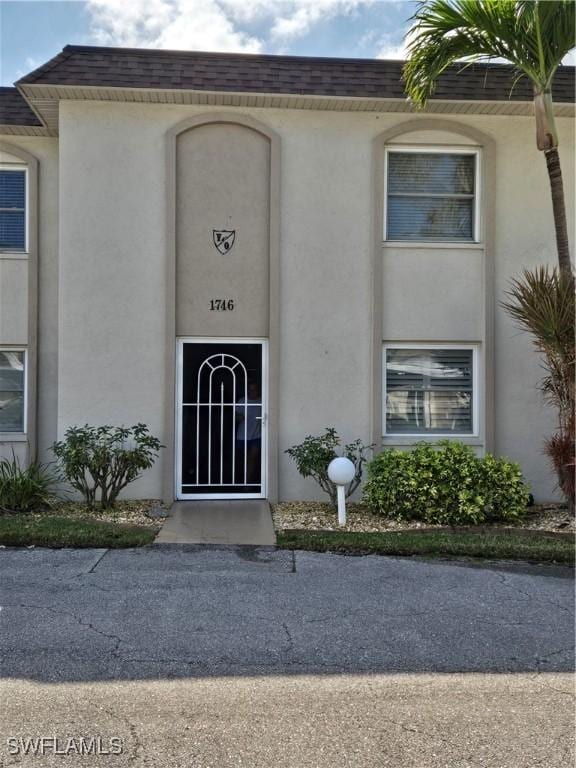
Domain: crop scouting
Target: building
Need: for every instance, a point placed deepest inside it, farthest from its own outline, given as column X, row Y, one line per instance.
column 243, row 250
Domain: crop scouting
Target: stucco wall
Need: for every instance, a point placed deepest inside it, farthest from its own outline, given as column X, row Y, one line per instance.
column 14, row 301
column 113, row 279
column 222, row 183
column 14, row 293
column 524, row 237
column 429, row 293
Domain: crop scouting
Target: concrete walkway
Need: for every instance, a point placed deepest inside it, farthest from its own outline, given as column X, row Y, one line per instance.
column 219, row 522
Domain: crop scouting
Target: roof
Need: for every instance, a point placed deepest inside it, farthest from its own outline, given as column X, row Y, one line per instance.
column 248, row 73
column 14, row 109
column 143, row 75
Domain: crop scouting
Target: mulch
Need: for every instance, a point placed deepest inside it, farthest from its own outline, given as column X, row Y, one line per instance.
column 548, row 519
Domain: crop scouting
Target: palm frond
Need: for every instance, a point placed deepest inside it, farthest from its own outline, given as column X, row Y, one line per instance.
column 532, row 36
column 542, row 302
column 554, row 23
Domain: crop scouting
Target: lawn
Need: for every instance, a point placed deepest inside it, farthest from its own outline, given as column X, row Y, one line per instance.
column 492, row 545
column 544, row 535
column 73, row 524
column 53, row 531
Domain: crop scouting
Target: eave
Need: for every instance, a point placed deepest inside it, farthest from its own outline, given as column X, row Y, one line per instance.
column 45, row 101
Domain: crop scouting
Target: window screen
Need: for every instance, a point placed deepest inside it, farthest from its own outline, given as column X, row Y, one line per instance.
column 11, row 391
column 12, row 210
column 429, row 391
column 430, row 196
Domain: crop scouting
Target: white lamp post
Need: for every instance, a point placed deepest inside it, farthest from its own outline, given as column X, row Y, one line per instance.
column 341, row 471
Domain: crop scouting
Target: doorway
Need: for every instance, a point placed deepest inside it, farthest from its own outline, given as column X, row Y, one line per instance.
column 221, row 418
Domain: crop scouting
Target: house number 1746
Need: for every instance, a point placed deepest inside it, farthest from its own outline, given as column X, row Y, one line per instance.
column 221, row 305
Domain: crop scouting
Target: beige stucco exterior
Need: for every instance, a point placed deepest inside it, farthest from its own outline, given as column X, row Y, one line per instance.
column 105, row 298
column 29, row 315
column 236, row 162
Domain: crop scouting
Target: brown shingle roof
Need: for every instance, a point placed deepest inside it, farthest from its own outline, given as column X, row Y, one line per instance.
column 232, row 72
column 14, row 109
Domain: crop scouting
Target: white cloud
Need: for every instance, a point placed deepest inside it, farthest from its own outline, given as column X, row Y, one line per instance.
column 391, row 51
column 303, row 15
column 216, row 25
column 184, row 24
column 394, row 46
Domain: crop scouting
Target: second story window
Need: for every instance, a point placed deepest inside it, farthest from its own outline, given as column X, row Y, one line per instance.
column 12, row 209
column 431, row 195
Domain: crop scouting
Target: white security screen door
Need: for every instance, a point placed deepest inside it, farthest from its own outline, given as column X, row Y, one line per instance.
column 221, row 419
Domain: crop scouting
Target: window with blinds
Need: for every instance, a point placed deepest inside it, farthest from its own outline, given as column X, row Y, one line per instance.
column 429, row 391
column 12, row 390
column 12, row 209
column 430, row 196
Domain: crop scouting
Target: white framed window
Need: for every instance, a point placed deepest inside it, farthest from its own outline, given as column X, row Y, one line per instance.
column 432, row 194
column 431, row 389
column 13, row 375
column 13, row 208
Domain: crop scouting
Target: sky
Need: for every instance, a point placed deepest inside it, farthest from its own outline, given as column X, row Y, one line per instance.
column 32, row 31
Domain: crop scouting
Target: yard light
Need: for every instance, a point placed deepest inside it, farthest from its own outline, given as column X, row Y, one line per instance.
column 341, row 471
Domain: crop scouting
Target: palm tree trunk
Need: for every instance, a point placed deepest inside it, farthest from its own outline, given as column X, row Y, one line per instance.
column 559, row 210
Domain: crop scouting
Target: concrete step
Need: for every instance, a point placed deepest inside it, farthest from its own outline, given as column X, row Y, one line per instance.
column 237, row 522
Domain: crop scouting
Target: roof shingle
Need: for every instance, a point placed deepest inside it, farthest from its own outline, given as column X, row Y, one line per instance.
column 248, row 73
column 14, row 109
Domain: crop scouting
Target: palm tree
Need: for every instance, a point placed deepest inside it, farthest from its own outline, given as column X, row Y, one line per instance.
column 542, row 302
column 532, row 35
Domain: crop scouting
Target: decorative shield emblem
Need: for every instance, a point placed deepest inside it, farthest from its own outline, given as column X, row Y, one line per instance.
column 224, row 239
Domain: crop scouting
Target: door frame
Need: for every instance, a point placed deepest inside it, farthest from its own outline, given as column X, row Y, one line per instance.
column 180, row 341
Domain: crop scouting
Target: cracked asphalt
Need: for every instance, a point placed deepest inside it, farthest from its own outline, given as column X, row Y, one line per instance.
column 198, row 656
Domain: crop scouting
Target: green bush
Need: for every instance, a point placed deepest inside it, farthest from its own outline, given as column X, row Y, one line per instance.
column 445, row 483
column 315, row 453
column 101, row 461
column 25, row 490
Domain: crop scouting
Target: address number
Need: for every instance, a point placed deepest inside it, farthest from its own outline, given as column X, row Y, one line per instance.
column 221, row 305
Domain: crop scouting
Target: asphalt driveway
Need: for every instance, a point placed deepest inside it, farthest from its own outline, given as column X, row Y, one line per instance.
column 262, row 657
column 182, row 611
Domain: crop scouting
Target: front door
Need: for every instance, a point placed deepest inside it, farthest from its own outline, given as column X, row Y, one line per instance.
column 221, row 419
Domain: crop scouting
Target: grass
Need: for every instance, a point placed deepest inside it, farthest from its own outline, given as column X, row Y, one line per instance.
column 50, row 531
column 73, row 524
column 69, row 529
column 493, row 545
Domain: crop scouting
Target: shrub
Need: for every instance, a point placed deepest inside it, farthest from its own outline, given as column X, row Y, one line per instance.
column 24, row 490
column 542, row 302
column 313, row 456
column 560, row 449
column 445, row 483
column 104, row 460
